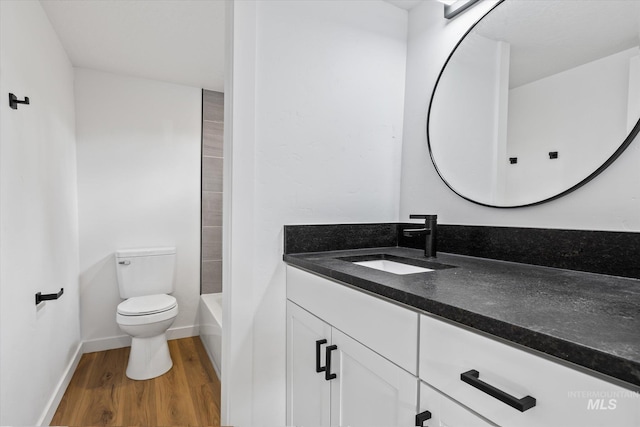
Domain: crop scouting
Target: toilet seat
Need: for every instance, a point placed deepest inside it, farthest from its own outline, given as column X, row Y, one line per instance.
column 145, row 305
column 146, row 319
column 146, row 310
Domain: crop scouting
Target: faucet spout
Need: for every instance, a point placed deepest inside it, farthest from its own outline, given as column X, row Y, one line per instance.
column 430, row 232
column 408, row 232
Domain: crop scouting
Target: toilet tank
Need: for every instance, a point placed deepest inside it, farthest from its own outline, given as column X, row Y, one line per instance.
column 147, row 271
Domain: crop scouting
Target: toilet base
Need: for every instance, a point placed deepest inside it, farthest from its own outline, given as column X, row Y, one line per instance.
column 149, row 357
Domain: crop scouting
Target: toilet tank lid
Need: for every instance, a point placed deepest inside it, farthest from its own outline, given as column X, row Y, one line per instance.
column 127, row 253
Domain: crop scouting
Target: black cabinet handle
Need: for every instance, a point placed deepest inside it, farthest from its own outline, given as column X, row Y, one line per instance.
column 472, row 378
column 422, row 417
column 318, row 367
column 327, row 374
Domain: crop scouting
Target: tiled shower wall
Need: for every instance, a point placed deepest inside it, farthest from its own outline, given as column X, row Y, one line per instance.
column 212, row 131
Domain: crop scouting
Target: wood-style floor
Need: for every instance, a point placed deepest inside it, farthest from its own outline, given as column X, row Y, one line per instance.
column 100, row 394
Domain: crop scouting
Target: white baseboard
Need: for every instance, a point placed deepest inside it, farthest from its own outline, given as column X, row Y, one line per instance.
column 61, row 387
column 110, row 343
column 183, row 332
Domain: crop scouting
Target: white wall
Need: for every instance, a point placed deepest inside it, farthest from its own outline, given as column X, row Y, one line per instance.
column 633, row 106
column 317, row 100
column 39, row 346
column 609, row 202
column 471, row 103
column 557, row 113
column 138, row 186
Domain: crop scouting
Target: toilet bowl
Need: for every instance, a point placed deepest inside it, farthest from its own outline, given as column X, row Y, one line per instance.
column 147, row 319
column 145, row 277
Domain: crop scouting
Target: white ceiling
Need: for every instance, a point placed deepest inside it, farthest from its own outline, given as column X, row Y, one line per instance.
column 405, row 4
column 177, row 41
column 550, row 36
column 182, row 41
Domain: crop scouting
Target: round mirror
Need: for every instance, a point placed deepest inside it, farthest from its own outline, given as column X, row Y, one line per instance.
column 537, row 99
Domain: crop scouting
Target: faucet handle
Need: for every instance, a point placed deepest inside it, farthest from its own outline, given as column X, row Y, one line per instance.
column 428, row 217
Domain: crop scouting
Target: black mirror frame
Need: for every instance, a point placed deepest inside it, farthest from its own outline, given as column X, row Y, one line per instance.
column 632, row 135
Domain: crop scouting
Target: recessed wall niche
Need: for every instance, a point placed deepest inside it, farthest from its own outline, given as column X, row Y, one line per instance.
column 212, row 157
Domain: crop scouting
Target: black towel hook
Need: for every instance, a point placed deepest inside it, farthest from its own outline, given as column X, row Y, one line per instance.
column 14, row 101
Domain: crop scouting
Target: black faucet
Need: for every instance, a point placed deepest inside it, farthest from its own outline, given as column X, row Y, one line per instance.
column 430, row 233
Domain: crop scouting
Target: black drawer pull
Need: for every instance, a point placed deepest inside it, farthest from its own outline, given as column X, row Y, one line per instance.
column 327, row 374
column 472, row 378
column 422, row 417
column 318, row 367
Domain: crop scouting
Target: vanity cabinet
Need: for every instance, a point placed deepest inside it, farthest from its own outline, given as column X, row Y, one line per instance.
column 391, row 363
column 333, row 330
column 332, row 379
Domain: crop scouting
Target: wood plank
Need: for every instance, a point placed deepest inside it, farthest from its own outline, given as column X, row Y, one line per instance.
column 206, row 363
column 173, row 401
column 203, row 381
column 206, row 400
column 100, row 394
column 139, row 403
column 105, row 389
column 191, row 352
column 72, row 399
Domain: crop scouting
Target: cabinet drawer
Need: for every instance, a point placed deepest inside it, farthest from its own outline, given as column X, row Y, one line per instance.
column 445, row 412
column 386, row 328
column 563, row 396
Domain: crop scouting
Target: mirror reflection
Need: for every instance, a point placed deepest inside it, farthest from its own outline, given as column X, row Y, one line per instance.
column 538, row 98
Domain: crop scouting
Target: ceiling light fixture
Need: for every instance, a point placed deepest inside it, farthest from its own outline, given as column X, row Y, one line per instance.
column 453, row 8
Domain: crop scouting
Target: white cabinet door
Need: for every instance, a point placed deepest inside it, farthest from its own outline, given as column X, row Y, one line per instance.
column 446, row 412
column 368, row 389
column 308, row 393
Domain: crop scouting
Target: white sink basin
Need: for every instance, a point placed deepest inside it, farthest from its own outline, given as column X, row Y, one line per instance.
column 393, row 267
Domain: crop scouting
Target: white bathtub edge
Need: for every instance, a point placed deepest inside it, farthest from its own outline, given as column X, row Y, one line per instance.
column 210, row 323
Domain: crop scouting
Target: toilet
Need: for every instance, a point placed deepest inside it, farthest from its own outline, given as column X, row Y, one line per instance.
column 146, row 277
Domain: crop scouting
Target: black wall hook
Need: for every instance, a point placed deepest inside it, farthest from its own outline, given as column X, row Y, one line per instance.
column 13, row 101
column 47, row 297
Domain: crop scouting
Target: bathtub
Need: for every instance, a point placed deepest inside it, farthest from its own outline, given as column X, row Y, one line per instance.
column 210, row 317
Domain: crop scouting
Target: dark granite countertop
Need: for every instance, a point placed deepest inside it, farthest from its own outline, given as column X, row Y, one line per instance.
column 592, row 320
